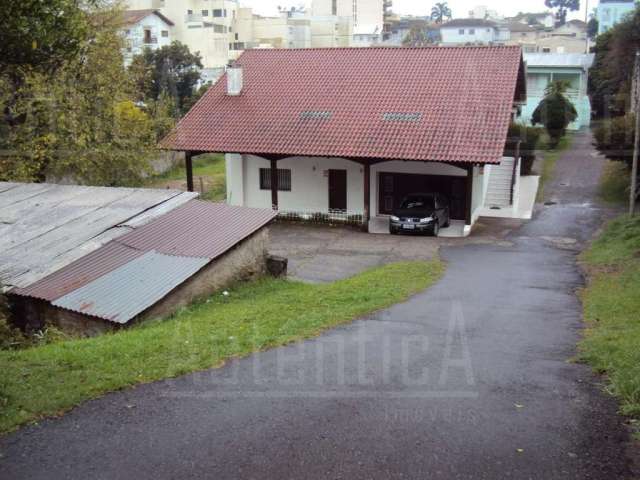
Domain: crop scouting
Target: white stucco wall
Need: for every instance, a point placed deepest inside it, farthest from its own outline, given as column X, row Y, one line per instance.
column 477, row 198
column 310, row 182
column 452, row 35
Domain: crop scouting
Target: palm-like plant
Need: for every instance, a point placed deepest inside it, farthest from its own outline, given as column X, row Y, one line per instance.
column 555, row 111
column 440, row 11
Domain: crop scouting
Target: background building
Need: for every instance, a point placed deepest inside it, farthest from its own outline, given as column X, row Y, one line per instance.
column 544, row 68
column 205, row 26
column 611, row 12
column 145, row 29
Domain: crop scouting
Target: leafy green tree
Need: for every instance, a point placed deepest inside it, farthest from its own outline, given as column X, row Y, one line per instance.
column 564, row 7
column 555, row 111
column 440, row 11
column 610, row 75
column 421, row 34
column 39, row 36
column 79, row 121
column 171, row 70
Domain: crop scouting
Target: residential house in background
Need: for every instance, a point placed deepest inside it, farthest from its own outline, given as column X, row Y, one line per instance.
column 340, row 133
column 144, row 29
column 611, row 12
column 544, row 68
column 205, row 26
column 485, row 13
column 466, row 31
column 568, row 38
column 541, row 19
column 523, row 35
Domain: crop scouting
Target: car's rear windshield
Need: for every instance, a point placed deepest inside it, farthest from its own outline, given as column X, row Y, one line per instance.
column 418, row 202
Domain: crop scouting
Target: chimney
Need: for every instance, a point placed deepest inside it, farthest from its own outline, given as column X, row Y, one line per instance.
column 234, row 80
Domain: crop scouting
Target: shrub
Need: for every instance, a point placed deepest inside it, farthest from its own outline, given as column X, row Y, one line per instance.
column 529, row 138
column 10, row 337
column 614, row 138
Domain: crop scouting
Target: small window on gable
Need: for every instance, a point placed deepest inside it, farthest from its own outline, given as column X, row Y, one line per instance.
column 284, row 179
column 461, row 31
column 472, row 31
column 165, row 33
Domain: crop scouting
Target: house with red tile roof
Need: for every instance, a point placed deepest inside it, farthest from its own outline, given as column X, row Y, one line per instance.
column 349, row 132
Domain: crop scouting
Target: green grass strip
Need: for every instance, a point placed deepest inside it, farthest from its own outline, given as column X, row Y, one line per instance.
column 612, row 310
column 51, row 379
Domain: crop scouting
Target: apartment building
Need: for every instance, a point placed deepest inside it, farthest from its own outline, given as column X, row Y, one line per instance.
column 366, row 16
column 205, row 26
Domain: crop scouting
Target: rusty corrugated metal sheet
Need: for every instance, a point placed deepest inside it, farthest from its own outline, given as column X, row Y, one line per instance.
column 80, row 272
column 131, row 273
column 198, row 229
column 130, row 289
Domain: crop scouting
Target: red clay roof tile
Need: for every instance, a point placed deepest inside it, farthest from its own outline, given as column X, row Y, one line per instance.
column 447, row 104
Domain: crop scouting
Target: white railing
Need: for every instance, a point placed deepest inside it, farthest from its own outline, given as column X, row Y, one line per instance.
column 340, row 217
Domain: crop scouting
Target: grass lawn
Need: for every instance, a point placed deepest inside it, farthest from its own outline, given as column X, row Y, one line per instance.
column 614, row 184
column 50, row 379
column 208, row 167
column 550, row 157
column 612, row 310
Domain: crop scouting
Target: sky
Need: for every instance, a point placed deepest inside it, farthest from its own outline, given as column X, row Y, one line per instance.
column 460, row 8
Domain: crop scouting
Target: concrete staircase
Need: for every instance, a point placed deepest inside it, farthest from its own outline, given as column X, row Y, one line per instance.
column 499, row 188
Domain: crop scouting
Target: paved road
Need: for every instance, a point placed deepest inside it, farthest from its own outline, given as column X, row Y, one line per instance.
column 468, row 380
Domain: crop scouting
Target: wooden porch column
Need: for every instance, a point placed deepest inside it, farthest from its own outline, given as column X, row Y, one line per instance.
column 367, row 196
column 188, row 163
column 274, row 184
column 469, row 195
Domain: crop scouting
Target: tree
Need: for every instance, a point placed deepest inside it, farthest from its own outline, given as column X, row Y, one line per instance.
column 610, row 75
column 555, row 111
column 79, row 121
column 39, row 36
column 564, row 7
column 440, row 11
column 171, row 70
column 420, row 35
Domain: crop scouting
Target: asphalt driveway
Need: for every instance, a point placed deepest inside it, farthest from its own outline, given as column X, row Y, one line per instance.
column 319, row 253
column 467, row 380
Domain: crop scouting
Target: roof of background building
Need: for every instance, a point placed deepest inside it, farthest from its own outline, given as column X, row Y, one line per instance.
column 131, row 273
column 44, row 227
column 520, row 27
column 469, row 22
column 567, row 60
column 447, row 104
column 131, row 17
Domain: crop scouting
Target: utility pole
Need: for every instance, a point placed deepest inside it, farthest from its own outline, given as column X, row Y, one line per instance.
column 635, row 100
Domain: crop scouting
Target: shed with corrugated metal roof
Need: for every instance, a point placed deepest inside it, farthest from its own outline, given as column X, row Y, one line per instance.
column 150, row 270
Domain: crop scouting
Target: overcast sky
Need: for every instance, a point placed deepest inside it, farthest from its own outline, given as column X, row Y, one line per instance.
column 460, row 8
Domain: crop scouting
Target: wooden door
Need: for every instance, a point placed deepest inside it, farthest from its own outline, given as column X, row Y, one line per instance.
column 338, row 190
